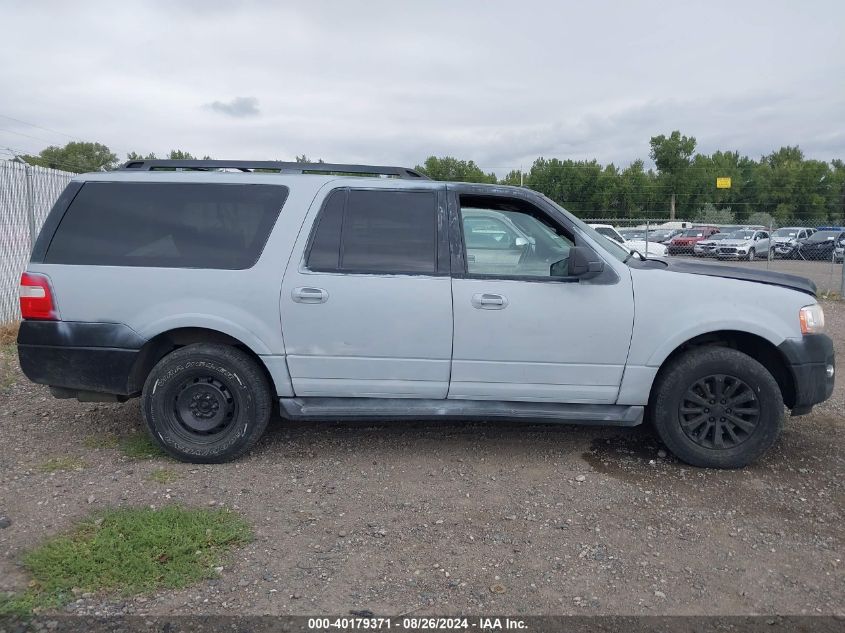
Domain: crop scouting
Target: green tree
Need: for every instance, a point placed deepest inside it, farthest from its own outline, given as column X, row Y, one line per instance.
column 763, row 219
column 305, row 159
column 78, row 157
column 515, row 178
column 450, row 168
column 672, row 156
column 709, row 214
column 137, row 156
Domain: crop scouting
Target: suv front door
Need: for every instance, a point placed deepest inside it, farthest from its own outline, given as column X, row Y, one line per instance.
column 521, row 333
column 366, row 301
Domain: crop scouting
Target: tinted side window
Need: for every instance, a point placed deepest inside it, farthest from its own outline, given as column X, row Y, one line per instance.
column 380, row 231
column 324, row 252
column 170, row 225
column 389, row 231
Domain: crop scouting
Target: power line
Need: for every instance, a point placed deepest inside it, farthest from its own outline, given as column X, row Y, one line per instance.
column 46, row 129
column 37, row 138
column 40, row 127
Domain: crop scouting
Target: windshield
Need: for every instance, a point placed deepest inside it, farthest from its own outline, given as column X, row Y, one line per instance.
column 693, row 233
column 785, row 233
column 609, row 233
column 742, row 235
column 718, row 236
column 610, row 246
column 823, row 236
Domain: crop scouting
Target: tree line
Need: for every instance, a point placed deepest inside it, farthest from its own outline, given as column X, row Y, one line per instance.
column 780, row 188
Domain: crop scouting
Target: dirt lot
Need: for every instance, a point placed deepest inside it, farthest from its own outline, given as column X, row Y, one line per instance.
column 452, row 517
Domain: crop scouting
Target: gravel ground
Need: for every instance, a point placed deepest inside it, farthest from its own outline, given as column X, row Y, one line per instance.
column 454, row 517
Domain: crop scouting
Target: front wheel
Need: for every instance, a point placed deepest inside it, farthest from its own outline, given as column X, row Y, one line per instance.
column 751, row 254
column 206, row 403
column 716, row 407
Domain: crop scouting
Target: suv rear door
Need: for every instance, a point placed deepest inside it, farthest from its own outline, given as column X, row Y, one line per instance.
column 366, row 301
column 521, row 333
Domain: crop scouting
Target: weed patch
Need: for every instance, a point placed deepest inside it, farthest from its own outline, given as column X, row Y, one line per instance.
column 55, row 464
column 126, row 552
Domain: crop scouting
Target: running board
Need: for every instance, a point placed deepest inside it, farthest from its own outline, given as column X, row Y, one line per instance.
column 360, row 409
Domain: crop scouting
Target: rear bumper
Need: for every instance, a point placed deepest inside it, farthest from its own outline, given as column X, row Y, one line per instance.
column 90, row 357
column 812, row 364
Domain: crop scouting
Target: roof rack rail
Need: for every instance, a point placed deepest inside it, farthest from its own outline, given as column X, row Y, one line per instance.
column 275, row 166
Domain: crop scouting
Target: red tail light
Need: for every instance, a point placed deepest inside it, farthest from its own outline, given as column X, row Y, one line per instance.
column 37, row 298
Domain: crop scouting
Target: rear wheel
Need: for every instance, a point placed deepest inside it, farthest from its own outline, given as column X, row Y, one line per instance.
column 206, row 403
column 716, row 407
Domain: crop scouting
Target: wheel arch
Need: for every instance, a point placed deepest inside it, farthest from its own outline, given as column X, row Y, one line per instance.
column 168, row 341
column 757, row 347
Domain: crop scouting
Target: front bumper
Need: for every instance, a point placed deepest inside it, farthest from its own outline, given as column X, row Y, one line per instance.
column 680, row 249
column 80, row 357
column 811, row 362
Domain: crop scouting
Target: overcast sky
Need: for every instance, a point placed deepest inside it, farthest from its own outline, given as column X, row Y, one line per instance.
column 393, row 82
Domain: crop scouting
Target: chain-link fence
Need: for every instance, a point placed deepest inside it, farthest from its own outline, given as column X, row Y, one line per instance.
column 812, row 252
column 26, row 195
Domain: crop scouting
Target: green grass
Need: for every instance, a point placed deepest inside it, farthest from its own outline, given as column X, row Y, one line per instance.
column 163, row 476
column 105, row 440
column 126, row 552
column 55, row 464
column 140, row 446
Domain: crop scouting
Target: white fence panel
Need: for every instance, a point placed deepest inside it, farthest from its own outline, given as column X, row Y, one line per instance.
column 26, row 195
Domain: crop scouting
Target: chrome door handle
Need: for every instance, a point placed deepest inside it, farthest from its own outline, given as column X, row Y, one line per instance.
column 486, row 301
column 309, row 295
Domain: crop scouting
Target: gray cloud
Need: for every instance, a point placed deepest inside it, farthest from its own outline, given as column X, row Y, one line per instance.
column 239, row 107
column 380, row 84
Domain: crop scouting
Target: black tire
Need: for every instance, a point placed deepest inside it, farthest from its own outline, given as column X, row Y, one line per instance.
column 711, row 442
column 206, row 404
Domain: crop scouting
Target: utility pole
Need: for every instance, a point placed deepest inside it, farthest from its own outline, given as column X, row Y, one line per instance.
column 672, row 207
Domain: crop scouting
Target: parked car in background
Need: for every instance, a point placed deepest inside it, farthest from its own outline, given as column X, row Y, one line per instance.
column 650, row 249
column 663, row 236
column 685, row 242
column 822, row 246
column 744, row 244
column 785, row 240
column 707, row 248
column 633, row 234
column 732, row 228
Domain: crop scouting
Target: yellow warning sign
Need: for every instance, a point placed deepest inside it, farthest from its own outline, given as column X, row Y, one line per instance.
column 723, row 183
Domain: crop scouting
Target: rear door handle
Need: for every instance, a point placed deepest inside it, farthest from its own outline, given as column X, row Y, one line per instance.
column 309, row 295
column 487, row 301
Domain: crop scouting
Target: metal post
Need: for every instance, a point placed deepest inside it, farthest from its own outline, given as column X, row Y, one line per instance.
column 770, row 251
column 30, row 206
column 842, row 281
column 646, row 238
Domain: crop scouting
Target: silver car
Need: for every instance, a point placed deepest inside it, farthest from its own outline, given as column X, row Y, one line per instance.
column 745, row 244
column 218, row 298
column 707, row 248
column 785, row 240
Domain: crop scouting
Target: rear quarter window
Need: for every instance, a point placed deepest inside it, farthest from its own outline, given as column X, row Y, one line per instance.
column 167, row 225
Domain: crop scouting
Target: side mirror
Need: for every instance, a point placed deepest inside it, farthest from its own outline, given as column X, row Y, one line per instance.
column 520, row 242
column 583, row 263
